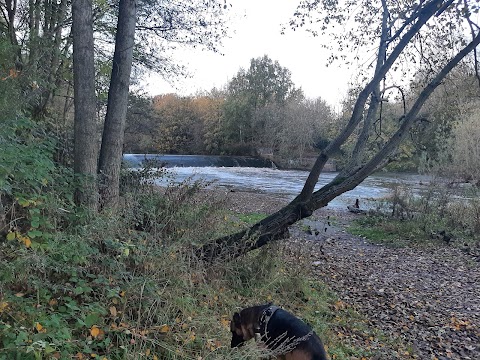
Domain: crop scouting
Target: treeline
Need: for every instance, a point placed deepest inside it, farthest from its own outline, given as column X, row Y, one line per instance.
column 260, row 111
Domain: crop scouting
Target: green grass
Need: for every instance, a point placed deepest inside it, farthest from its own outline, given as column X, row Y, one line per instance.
column 380, row 230
column 396, row 232
column 251, row 218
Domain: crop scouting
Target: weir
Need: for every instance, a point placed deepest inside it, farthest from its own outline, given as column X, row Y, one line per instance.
column 138, row 160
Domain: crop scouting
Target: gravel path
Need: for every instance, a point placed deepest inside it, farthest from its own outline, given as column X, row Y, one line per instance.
column 430, row 298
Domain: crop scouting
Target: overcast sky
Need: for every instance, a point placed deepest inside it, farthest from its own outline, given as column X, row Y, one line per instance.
column 256, row 26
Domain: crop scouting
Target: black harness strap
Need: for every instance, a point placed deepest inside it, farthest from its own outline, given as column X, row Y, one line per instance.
column 264, row 319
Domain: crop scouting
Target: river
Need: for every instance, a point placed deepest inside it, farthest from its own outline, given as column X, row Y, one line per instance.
column 288, row 183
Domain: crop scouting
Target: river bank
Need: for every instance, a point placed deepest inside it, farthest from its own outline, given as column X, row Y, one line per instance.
column 427, row 298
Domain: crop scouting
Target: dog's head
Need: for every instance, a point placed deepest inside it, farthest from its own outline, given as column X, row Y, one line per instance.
column 245, row 324
column 236, row 329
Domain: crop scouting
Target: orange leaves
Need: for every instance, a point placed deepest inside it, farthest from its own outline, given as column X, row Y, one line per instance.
column 340, row 305
column 12, row 235
column 97, row 333
column 3, row 306
column 94, row 331
column 213, row 344
column 26, row 240
column 459, row 324
column 164, row 329
column 225, row 322
column 39, row 327
column 12, row 74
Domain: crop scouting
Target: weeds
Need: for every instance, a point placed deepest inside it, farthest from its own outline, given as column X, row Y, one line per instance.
column 409, row 219
column 126, row 284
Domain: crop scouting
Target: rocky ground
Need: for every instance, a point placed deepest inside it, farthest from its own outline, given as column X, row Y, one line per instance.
column 429, row 298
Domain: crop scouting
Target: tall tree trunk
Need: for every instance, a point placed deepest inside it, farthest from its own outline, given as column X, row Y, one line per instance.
column 86, row 144
column 358, row 152
column 11, row 8
column 114, row 128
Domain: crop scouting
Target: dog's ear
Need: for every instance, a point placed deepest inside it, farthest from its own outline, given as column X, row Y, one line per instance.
column 237, row 319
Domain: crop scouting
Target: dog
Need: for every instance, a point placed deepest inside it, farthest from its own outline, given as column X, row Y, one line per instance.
column 282, row 333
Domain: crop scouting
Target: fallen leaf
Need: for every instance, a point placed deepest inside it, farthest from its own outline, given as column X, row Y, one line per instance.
column 164, row 329
column 94, row 331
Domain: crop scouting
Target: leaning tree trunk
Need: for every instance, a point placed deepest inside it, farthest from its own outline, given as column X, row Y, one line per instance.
column 85, row 132
column 114, row 128
column 276, row 225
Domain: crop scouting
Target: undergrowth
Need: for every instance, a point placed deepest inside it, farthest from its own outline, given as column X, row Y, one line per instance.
column 439, row 216
column 108, row 288
column 125, row 284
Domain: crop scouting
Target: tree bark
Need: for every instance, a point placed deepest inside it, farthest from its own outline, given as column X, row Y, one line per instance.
column 357, row 114
column 86, row 144
column 114, row 128
column 375, row 98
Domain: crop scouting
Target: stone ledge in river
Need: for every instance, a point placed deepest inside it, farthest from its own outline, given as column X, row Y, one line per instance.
column 136, row 161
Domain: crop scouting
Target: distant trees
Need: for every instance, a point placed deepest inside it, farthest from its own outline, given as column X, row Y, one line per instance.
column 260, row 110
column 264, row 83
column 179, row 130
column 466, row 148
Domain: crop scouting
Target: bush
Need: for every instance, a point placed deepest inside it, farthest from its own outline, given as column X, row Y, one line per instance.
column 466, row 149
column 414, row 219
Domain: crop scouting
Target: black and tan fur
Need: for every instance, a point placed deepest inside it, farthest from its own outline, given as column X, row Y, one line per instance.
column 283, row 334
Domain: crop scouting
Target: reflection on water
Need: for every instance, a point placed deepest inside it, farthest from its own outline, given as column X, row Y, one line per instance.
column 289, row 183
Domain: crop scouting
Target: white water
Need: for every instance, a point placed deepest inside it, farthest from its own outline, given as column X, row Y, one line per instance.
column 289, row 183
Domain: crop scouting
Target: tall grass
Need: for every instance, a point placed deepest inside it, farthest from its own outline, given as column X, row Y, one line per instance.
column 125, row 284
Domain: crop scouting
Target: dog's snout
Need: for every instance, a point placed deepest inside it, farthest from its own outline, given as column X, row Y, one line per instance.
column 237, row 341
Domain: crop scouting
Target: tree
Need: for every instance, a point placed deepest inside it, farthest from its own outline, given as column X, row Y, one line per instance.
column 114, row 128
column 266, row 82
column 141, row 124
column 208, row 110
column 304, row 128
column 466, row 149
column 39, row 32
column 86, row 148
column 178, row 128
column 407, row 33
column 191, row 23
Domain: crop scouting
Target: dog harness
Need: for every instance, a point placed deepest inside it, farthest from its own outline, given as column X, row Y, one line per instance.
column 265, row 318
column 282, row 345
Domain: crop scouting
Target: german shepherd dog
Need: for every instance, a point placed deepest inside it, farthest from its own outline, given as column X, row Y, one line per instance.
column 283, row 334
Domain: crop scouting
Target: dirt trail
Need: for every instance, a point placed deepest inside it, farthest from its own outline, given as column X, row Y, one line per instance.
column 430, row 298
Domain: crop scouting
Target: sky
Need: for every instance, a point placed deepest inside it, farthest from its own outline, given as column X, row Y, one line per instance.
column 255, row 31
